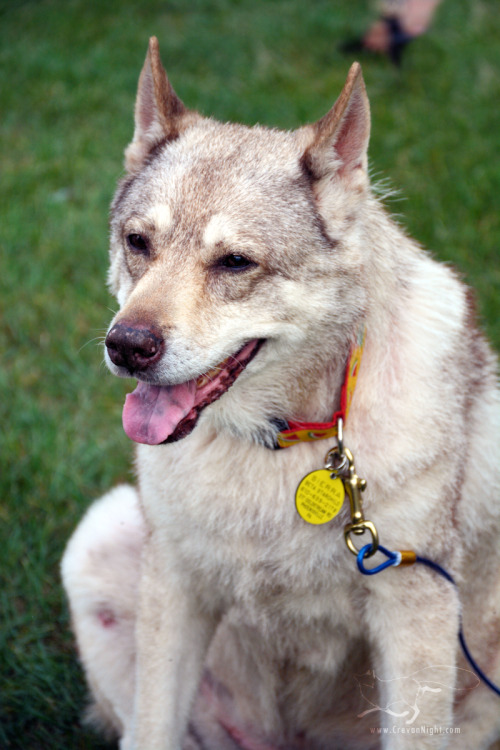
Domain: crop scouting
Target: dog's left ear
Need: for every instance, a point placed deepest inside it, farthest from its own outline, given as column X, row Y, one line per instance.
column 160, row 115
column 340, row 139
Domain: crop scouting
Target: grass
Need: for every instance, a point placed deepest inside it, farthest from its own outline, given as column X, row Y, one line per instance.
column 69, row 75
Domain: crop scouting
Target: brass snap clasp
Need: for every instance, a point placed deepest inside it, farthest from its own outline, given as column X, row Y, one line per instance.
column 358, row 529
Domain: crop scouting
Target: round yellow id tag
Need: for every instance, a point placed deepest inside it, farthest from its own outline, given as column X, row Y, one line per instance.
column 319, row 497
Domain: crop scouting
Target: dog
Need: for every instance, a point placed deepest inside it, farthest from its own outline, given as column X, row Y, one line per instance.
column 263, row 288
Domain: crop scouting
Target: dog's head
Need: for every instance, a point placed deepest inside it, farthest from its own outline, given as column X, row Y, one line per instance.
column 235, row 258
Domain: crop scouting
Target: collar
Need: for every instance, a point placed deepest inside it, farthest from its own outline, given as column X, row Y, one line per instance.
column 305, row 432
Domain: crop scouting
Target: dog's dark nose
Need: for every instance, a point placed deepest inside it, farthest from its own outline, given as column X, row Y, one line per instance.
column 135, row 347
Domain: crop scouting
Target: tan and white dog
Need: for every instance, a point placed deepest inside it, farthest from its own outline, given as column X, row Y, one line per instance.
column 208, row 614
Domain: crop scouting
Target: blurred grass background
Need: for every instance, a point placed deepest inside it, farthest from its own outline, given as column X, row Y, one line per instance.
column 69, row 73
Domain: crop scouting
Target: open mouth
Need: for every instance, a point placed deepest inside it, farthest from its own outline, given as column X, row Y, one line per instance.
column 155, row 414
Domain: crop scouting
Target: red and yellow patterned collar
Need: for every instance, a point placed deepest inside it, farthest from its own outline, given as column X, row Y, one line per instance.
column 300, row 432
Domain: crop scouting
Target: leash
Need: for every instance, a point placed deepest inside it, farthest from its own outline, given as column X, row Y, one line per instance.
column 320, row 496
column 395, row 559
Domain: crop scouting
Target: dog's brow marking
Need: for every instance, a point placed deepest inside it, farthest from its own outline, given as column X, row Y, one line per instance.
column 219, row 229
column 161, row 216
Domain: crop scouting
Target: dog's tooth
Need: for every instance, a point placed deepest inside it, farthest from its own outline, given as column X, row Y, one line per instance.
column 211, row 374
column 208, row 376
column 202, row 380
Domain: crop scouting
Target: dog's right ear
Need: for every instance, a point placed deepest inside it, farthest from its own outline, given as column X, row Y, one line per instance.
column 160, row 116
column 340, row 139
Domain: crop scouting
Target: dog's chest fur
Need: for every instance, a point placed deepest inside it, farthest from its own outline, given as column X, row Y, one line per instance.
column 225, row 513
column 228, row 518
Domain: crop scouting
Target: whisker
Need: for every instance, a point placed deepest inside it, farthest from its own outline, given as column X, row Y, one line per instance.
column 100, row 339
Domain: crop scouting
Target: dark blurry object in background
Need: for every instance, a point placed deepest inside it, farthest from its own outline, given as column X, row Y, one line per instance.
column 400, row 21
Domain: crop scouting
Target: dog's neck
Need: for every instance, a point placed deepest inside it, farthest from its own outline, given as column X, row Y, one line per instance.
column 304, row 431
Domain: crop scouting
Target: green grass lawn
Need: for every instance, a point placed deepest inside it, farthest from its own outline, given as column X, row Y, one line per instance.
column 69, row 73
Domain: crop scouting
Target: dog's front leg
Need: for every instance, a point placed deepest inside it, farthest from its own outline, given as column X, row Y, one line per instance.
column 172, row 639
column 413, row 618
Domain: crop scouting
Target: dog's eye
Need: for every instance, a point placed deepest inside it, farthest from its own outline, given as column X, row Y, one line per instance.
column 138, row 244
column 235, row 262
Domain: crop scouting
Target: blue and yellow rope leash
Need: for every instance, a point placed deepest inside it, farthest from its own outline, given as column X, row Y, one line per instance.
column 395, row 559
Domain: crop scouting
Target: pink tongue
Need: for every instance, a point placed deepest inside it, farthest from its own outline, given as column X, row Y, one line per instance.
column 151, row 413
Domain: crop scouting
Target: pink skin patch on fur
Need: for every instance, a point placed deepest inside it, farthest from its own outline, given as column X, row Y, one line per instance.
column 220, row 701
column 107, row 618
column 244, row 741
column 153, row 414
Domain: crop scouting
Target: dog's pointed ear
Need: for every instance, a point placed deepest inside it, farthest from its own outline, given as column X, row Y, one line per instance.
column 340, row 139
column 159, row 113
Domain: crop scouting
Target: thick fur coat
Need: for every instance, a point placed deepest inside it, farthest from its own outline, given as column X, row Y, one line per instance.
column 208, row 614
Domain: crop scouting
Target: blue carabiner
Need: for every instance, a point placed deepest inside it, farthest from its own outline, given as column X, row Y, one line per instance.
column 394, row 558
